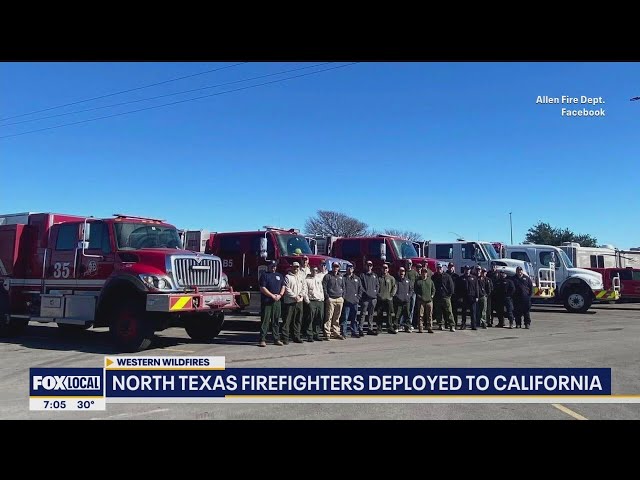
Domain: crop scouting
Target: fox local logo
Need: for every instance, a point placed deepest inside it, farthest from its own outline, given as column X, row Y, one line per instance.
column 67, row 382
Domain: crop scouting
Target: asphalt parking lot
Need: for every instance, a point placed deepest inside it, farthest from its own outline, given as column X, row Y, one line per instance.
column 607, row 336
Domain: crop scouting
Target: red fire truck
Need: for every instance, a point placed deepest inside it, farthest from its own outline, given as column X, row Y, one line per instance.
column 128, row 273
column 244, row 255
column 380, row 249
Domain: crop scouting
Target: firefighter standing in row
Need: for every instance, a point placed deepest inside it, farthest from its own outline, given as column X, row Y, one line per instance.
column 424, row 291
column 401, row 301
column 504, row 290
column 352, row 294
column 469, row 294
column 522, row 298
column 314, row 300
column 412, row 275
column 295, row 288
column 333, row 285
column 370, row 288
column 386, row 291
column 456, row 299
column 271, row 291
column 444, row 290
column 492, row 275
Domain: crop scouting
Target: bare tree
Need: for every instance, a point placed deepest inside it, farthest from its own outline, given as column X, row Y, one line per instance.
column 411, row 236
column 335, row 223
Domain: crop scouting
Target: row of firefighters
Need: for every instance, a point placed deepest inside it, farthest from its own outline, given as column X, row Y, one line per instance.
column 319, row 305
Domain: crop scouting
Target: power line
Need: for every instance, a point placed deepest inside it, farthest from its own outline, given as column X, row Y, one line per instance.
column 179, row 101
column 121, row 92
column 166, row 95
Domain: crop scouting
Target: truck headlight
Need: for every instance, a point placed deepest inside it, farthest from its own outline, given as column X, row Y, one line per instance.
column 224, row 282
column 594, row 283
column 157, row 282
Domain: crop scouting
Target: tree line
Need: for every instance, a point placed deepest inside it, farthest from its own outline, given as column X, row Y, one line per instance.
column 327, row 222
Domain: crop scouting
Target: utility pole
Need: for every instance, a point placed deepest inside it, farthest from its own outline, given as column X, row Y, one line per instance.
column 511, row 227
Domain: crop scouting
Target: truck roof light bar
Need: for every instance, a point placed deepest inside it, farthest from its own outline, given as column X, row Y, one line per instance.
column 122, row 215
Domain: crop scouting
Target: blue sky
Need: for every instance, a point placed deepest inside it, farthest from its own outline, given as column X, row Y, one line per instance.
column 433, row 148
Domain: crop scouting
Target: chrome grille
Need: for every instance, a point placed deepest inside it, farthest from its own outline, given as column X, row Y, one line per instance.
column 190, row 272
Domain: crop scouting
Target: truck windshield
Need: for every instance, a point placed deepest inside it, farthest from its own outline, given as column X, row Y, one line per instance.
column 566, row 259
column 404, row 248
column 133, row 236
column 293, row 245
column 491, row 251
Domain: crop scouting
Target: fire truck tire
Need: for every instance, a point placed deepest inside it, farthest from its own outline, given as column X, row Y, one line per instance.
column 12, row 327
column 9, row 327
column 130, row 329
column 203, row 328
column 577, row 300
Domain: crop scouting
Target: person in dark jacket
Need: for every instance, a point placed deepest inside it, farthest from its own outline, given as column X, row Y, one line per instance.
column 445, row 288
column 456, row 299
column 522, row 298
column 272, row 290
column 503, row 293
column 352, row 294
column 370, row 287
column 386, row 292
column 402, row 300
column 492, row 275
column 469, row 294
column 481, row 308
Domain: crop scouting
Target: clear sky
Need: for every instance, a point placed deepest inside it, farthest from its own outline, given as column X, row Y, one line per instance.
column 442, row 149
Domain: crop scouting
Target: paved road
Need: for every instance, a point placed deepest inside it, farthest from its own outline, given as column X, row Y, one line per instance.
column 609, row 336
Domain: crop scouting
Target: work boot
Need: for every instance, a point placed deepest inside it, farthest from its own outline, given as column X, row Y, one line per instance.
column 262, row 343
column 278, row 343
column 440, row 327
column 452, row 328
column 420, row 327
column 429, row 330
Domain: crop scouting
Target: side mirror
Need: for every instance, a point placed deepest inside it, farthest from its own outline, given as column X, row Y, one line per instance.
column 263, row 248
column 83, row 245
column 86, row 232
column 383, row 251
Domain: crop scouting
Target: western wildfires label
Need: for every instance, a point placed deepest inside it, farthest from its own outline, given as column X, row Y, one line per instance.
column 571, row 104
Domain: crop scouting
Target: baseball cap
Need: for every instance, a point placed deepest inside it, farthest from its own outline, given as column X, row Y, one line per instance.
column 518, row 268
column 295, row 264
column 350, row 265
column 272, row 263
column 335, row 264
column 305, row 258
column 450, row 264
column 401, row 269
column 439, row 265
column 369, row 262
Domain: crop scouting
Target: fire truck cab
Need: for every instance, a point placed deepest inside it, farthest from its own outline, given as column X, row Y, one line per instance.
column 379, row 249
column 244, row 256
column 577, row 288
column 127, row 273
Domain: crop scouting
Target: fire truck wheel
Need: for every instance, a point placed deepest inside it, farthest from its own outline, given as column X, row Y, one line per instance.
column 203, row 328
column 577, row 301
column 130, row 329
column 11, row 327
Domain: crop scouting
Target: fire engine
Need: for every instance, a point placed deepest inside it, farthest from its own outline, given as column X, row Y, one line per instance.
column 380, row 249
column 127, row 273
column 604, row 256
column 577, row 288
column 244, row 256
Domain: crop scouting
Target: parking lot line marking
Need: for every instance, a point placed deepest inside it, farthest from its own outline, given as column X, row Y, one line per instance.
column 179, row 350
column 569, row 412
column 119, row 415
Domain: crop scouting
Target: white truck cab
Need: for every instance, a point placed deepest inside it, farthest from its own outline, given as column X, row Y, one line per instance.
column 577, row 288
column 462, row 252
